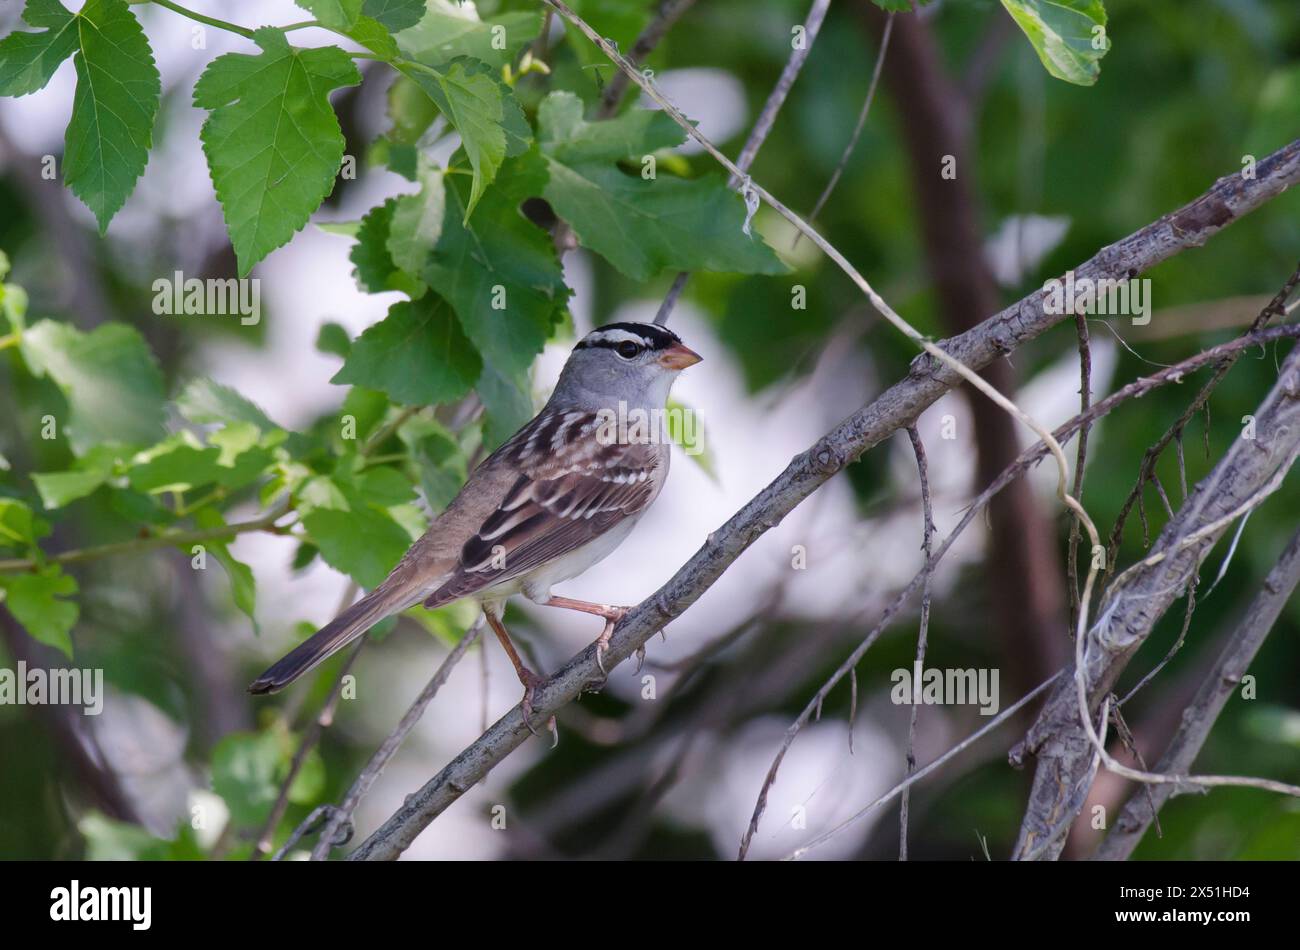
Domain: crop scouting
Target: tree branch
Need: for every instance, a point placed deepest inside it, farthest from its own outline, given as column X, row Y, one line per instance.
column 668, row 13
column 1010, row 473
column 265, row 522
column 340, row 817
column 1063, row 738
column 1227, row 200
column 1199, row 717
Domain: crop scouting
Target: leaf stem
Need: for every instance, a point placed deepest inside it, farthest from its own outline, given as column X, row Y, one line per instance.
column 201, row 18
column 11, row 339
column 165, row 539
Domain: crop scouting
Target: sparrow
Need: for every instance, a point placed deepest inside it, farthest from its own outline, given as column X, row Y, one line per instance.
column 557, row 497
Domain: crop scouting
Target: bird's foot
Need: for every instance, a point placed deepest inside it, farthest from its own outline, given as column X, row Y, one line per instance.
column 612, row 617
column 531, row 681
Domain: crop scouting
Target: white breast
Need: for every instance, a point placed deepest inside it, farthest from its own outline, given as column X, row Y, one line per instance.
column 537, row 584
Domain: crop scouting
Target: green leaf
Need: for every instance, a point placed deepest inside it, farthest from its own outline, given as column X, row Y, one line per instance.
column 375, row 37
column 449, row 29
column 110, row 379
column 333, row 338
column 333, row 14
column 394, row 14
column 499, row 271
column 243, row 587
column 272, row 140
column 417, row 354
column 483, row 109
column 36, row 601
column 411, row 112
column 111, row 130
column 382, row 486
column 204, row 401
column 28, row 60
column 1068, row 35
column 686, row 431
column 416, row 223
column 375, row 269
column 58, row 489
column 508, row 401
column 176, row 464
column 19, row 528
column 367, row 407
column 341, row 228
column 364, row 543
column 442, row 465
column 248, row 769
column 642, row 227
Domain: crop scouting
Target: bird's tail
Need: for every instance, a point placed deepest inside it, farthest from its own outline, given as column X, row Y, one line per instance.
column 331, row 638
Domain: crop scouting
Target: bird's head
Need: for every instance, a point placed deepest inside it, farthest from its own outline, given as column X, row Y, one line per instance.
column 633, row 363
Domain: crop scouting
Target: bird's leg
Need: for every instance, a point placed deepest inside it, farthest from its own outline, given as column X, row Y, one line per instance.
column 612, row 616
column 526, row 676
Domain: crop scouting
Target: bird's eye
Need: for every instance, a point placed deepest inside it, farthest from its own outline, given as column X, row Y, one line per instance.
column 628, row 350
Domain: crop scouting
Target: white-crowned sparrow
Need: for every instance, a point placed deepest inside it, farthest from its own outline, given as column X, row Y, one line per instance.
column 556, row 498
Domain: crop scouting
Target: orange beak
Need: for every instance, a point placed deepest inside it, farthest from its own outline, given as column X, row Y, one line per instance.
column 679, row 357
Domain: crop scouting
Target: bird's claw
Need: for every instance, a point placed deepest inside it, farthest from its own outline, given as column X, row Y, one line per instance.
column 612, row 617
column 640, row 657
column 602, row 646
column 531, row 681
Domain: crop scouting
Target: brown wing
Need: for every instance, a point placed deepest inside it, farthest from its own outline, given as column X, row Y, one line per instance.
column 571, row 489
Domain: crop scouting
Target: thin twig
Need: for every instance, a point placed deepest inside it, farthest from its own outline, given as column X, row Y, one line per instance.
column 1081, row 456
column 857, row 131
column 927, row 533
column 309, row 740
column 938, row 763
column 758, row 134
column 265, row 522
column 342, row 815
column 667, row 14
column 1219, row 683
column 1275, row 307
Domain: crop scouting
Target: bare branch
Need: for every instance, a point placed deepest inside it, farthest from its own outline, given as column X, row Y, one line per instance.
column 308, row 742
column 1081, row 456
column 340, row 817
column 1030, row 456
column 927, row 533
column 1063, row 738
column 1198, row 719
column 1146, row 471
column 667, row 14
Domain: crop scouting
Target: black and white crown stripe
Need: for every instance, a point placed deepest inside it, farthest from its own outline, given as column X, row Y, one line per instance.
column 649, row 335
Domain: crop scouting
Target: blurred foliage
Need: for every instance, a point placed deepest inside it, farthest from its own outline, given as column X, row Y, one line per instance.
column 113, row 437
